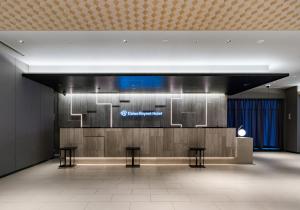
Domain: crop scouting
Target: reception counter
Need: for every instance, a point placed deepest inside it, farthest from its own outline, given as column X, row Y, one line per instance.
column 158, row 145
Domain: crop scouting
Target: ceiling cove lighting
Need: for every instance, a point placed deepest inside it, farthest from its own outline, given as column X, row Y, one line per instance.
column 143, row 94
column 160, row 68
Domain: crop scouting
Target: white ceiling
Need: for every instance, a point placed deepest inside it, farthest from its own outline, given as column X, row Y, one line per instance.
column 184, row 52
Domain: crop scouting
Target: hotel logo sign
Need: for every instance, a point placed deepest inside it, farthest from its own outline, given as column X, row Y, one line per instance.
column 125, row 113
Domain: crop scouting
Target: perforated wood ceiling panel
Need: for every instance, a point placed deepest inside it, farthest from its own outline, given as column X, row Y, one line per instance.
column 149, row 14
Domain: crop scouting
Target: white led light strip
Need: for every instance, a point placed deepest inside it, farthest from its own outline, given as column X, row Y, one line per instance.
column 71, row 110
column 105, row 104
column 171, row 111
column 180, row 125
column 111, row 114
column 77, row 114
column 204, row 125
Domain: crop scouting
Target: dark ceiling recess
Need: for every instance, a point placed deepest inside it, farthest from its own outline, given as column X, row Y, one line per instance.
column 154, row 83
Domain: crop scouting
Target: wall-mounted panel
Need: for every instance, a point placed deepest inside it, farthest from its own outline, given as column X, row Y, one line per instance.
column 104, row 110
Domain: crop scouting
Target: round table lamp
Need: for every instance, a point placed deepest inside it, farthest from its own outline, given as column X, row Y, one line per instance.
column 241, row 131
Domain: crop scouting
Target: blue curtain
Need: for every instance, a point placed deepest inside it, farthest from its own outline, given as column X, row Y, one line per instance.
column 261, row 118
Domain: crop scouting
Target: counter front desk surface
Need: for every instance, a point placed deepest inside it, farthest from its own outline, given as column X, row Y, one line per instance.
column 158, row 145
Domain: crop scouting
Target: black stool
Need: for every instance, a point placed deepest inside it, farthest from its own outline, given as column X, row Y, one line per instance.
column 133, row 155
column 198, row 154
column 63, row 159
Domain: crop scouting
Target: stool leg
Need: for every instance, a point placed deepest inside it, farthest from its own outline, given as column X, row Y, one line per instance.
column 189, row 157
column 65, row 163
column 126, row 159
column 203, row 158
column 70, row 154
column 74, row 161
column 59, row 158
column 132, row 157
column 139, row 157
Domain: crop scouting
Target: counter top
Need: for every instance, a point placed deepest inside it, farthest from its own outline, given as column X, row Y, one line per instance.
column 146, row 127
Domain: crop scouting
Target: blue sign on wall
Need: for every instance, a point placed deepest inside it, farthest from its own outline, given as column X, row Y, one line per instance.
column 141, row 82
column 125, row 113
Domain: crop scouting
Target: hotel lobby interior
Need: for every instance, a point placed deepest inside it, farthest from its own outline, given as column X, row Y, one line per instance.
column 149, row 105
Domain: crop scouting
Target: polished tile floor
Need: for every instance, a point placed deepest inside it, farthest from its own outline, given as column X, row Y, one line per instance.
column 272, row 183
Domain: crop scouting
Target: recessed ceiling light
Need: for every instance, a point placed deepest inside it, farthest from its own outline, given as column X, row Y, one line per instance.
column 165, row 40
column 228, row 41
column 21, row 41
column 260, row 41
column 125, row 41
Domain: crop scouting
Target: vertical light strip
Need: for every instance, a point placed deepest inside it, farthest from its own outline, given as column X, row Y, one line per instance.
column 171, row 111
column 204, row 125
column 110, row 104
column 71, row 111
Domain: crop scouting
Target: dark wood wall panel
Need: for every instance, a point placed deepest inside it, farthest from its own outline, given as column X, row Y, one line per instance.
column 188, row 111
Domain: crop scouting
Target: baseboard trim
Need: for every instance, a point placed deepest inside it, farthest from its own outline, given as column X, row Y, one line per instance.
column 21, row 169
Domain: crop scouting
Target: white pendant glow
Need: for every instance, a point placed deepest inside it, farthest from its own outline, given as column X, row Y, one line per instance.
column 241, row 132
